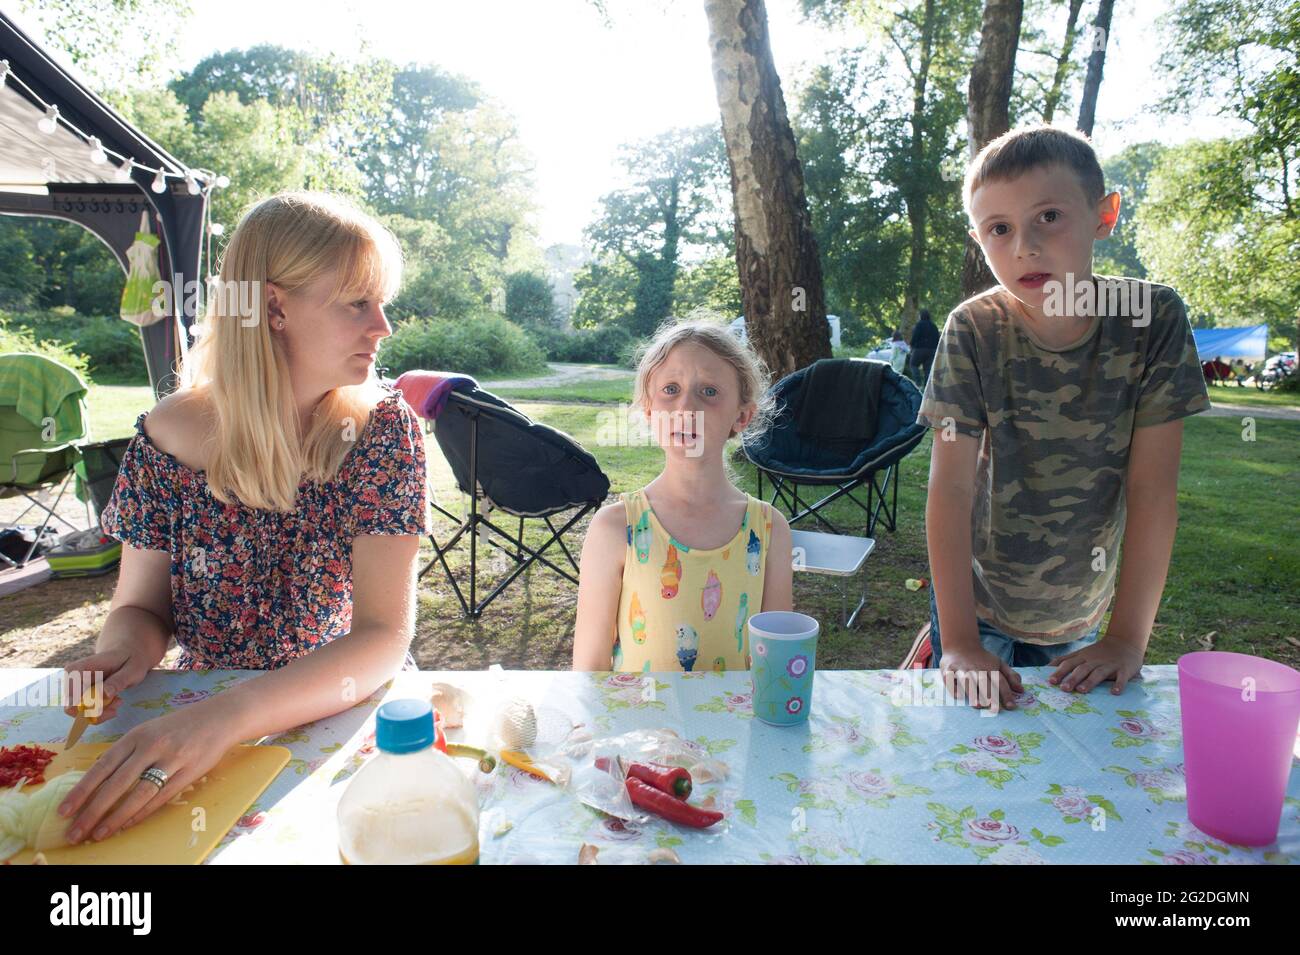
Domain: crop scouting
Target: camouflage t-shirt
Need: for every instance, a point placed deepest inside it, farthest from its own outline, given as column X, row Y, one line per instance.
column 1055, row 426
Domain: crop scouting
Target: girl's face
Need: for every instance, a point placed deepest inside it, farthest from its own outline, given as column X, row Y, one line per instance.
column 327, row 344
column 694, row 402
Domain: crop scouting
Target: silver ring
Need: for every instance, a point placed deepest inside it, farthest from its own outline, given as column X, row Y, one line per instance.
column 156, row 776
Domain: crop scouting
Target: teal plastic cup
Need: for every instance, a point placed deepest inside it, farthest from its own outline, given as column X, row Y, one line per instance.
column 782, row 660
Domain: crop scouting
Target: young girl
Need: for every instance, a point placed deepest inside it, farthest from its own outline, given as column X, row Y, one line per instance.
column 271, row 506
column 671, row 573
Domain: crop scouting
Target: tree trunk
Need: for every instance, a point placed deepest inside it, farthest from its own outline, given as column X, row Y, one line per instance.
column 1098, row 38
column 988, row 110
column 917, row 199
column 1062, row 62
column 776, row 254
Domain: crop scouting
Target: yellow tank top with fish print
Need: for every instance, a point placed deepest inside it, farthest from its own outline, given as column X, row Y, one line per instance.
column 682, row 608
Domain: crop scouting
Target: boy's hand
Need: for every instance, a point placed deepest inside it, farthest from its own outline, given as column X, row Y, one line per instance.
column 1110, row 658
column 964, row 670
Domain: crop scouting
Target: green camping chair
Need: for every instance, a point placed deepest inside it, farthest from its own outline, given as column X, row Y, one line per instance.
column 42, row 417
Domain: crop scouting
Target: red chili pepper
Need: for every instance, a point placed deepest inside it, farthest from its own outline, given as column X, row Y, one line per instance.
column 670, row 779
column 669, row 806
column 673, row 780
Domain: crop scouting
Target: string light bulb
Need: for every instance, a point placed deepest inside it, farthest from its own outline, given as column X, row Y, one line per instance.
column 216, row 228
column 50, row 121
column 123, row 173
column 4, row 71
column 191, row 184
column 97, row 154
column 159, row 182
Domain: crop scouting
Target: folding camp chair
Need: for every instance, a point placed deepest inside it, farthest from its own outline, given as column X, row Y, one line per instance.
column 790, row 460
column 506, row 462
column 42, row 417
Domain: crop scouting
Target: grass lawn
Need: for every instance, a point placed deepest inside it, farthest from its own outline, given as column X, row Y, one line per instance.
column 1233, row 572
column 584, row 392
column 114, row 408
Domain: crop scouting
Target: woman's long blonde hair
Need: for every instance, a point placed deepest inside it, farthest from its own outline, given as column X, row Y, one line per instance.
column 289, row 239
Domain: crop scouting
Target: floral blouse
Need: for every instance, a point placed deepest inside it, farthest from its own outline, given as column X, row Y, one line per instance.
column 254, row 589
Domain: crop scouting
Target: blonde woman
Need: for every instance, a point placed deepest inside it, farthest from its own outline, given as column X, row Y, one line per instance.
column 671, row 573
column 270, row 510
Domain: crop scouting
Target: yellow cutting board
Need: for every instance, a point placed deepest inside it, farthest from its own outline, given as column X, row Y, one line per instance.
column 169, row 836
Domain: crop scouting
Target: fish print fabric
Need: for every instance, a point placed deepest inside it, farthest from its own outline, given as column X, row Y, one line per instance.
column 686, row 609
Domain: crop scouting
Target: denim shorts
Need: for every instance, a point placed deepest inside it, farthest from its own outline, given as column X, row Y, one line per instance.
column 1015, row 652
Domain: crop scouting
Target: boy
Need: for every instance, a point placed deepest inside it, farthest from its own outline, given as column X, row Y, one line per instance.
column 1057, row 397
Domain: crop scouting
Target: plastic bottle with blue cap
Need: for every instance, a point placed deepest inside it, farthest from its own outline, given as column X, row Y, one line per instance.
column 409, row 804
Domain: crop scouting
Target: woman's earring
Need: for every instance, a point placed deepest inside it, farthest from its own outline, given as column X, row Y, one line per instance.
column 280, row 326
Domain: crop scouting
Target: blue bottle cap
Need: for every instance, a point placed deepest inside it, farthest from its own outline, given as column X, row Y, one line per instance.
column 404, row 726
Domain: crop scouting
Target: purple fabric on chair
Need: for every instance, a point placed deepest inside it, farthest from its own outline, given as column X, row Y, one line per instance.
column 426, row 391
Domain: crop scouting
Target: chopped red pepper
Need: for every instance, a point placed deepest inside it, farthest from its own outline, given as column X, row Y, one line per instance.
column 669, row 806
column 23, row 762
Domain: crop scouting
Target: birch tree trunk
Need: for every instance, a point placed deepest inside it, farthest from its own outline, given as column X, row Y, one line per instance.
column 776, row 254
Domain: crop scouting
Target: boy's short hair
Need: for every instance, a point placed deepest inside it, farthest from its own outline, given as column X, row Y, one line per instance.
column 1019, row 150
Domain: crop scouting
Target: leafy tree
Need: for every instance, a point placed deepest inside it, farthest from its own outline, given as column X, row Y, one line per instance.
column 530, row 300
column 674, row 206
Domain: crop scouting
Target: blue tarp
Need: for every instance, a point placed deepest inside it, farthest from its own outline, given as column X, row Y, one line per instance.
column 1250, row 342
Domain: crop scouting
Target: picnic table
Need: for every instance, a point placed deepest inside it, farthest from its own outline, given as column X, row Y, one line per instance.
column 882, row 773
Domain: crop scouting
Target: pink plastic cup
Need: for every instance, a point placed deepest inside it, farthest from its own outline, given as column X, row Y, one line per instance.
column 1240, row 715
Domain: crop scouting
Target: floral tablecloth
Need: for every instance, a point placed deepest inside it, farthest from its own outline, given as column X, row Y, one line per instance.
column 881, row 773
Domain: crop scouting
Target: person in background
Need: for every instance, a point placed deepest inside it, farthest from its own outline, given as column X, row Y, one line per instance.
column 898, row 352
column 925, row 339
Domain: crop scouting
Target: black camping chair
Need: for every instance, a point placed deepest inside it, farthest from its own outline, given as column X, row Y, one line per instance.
column 512, row 464
column 791, row 460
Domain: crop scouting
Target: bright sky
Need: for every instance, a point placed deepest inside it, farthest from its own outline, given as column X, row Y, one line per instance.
column 579, row 88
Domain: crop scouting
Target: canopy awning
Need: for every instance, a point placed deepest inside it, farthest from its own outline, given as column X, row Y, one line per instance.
column 1246, row 342
column 53, row 175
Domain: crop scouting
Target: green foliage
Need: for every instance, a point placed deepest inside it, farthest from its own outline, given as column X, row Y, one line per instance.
column 608, row 344
column 120, row 45
column 1127, row 173
column 108, row 347
column 676, row 204
column 14, row 338
column 444, row 153
column 48, row 262
column 480, row 345
column 712, row 285
column 1205, row 229
column 323, row 105
column 530, row 300
column 432, row 282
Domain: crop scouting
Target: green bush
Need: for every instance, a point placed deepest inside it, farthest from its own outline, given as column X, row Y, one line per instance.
column 480, row 345
column 18, row 339
column 607, row 344
column 111, row 346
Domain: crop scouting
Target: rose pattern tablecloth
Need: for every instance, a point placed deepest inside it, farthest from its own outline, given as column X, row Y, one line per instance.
column 880, row 774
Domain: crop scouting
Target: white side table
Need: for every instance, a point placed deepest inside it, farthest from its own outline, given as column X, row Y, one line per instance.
column 837, row 554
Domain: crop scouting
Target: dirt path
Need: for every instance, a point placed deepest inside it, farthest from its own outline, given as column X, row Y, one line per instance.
column 564, row 374
column 1223, row 409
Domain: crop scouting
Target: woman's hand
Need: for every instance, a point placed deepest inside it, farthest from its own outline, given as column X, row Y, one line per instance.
column 184, row 744
column 122, row 668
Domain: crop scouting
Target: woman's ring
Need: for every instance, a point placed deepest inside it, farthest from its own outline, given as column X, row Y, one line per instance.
column 156, row 776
